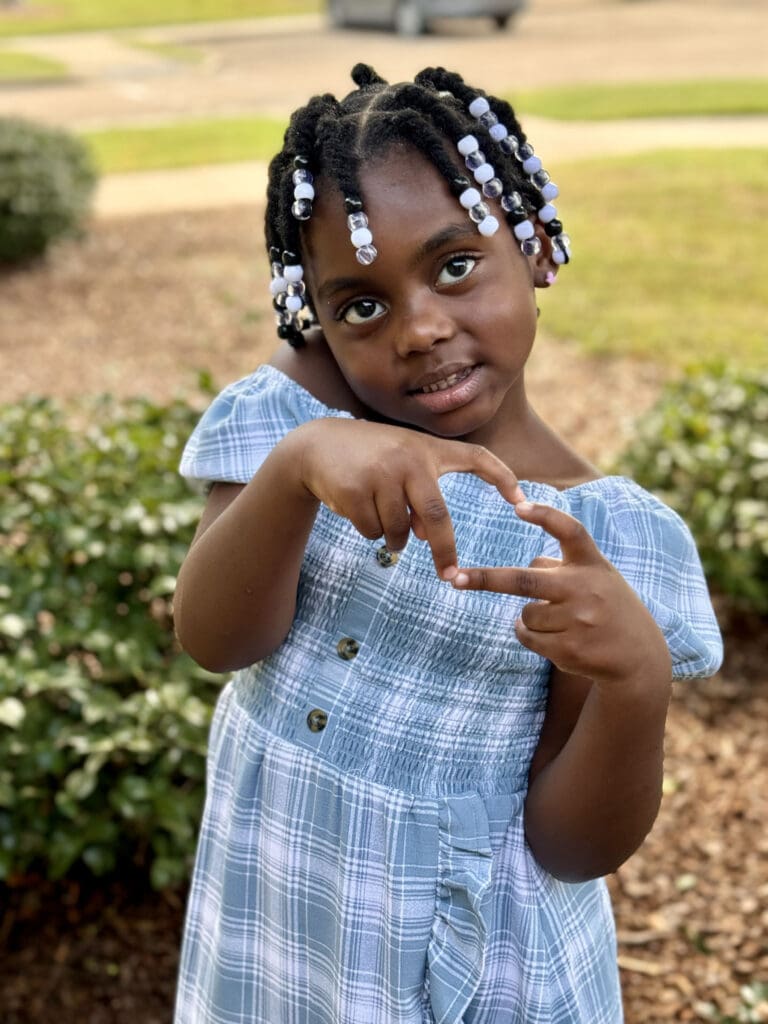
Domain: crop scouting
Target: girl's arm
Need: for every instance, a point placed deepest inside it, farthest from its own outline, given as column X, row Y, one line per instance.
column 595, row 780
column 236, row 592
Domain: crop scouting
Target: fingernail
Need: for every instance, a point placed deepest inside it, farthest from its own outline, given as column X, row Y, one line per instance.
column 460, row 579
column 524, row 507
column 449, row 573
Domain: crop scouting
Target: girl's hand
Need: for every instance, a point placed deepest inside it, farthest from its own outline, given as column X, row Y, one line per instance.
column 584, row 616
column 384, row 479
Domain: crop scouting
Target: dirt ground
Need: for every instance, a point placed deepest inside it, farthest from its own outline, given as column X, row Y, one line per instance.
column 141, row 306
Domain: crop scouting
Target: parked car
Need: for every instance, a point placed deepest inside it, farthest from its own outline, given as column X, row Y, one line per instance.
column 410, row 17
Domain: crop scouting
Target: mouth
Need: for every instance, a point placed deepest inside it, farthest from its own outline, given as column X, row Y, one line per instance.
column 448, row 380
column 451, row 391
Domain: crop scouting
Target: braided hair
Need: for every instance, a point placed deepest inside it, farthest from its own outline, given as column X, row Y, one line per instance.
column 434, row 114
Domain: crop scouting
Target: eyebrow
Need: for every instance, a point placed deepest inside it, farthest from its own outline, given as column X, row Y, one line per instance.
column 450, row 233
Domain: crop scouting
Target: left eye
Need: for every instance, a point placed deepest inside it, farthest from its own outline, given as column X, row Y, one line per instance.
column 361, row 311
column 456, row 269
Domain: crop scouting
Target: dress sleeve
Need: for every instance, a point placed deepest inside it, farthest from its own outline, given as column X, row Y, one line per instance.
column 244, row 423
column 653, row 549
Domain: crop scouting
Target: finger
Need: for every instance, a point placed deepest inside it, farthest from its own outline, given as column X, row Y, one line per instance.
column 545, row 617
column 395, row 519
column 462, row 457
column 417, row 526
column 366, row 520
column 539, row 584
column 432, row 513
column 575, row 542
column 542, row 562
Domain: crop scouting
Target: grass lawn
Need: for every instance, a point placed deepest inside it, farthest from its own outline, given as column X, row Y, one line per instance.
column 26, row 67
column 667, row 256
column 81, row 15
column 185, row 144
column 602, row 102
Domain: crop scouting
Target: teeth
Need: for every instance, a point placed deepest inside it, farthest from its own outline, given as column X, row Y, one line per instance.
column 447, row 382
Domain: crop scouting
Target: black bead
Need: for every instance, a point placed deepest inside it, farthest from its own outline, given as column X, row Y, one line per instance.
column 555, row 227
column 274, row 254
column 352, row 205
column 300, row 161
column 289, row 258
column 460, row 184
column 284, row 331
column 517, row 215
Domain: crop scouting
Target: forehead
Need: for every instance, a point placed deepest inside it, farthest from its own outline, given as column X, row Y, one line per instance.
column 404, row 197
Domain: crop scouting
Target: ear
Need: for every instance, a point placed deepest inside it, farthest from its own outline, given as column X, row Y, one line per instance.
column 543, row 267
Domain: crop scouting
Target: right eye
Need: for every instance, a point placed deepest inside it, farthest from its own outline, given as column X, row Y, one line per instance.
column 361, row 311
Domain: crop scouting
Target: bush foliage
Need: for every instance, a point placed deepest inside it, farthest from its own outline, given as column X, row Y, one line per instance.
column 103, row 722
column 704, row 450
column 46, row 181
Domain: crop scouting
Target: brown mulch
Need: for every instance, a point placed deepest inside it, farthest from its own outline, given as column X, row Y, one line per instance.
column 143, row 305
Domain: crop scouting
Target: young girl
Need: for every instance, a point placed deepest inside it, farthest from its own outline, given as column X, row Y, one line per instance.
column 453, row 640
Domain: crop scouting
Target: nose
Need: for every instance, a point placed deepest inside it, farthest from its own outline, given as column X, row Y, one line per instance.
column 425, row 322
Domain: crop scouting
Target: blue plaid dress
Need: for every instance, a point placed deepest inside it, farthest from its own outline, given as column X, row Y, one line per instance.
column 362, row 857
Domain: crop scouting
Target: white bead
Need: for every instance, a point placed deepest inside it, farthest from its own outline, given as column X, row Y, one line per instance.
column 498, row 132
column 488, row 226
column 360, row 237
column 531, row 165
column 550, row 191
column 467, row 145
column 294, row 303
column 547, row 213
column 479, row 106
column 470, row 197
column 277, row 285
column 483, row 173
column 304, row 191
column 558, row 257
column 524, row 230
column 293, row 272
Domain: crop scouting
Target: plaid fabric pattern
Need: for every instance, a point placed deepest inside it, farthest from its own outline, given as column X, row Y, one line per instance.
column 374, row 870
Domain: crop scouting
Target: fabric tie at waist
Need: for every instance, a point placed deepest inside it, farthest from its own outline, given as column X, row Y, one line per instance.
column 456, row 954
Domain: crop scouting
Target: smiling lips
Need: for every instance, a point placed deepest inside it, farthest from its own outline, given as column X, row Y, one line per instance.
column 443, row 383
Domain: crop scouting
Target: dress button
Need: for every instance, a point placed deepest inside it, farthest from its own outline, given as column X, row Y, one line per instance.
column 317, row 720
column 386, row 558
column 347, row 648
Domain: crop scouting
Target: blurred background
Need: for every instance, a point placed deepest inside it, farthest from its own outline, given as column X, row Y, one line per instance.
column 134, row 139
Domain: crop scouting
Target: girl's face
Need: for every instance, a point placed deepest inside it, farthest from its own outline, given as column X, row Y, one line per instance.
column 435, row 333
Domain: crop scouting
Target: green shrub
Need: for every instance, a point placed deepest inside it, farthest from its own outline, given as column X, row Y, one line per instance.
column 704, row 450
column 103, row 721
column 46, row 181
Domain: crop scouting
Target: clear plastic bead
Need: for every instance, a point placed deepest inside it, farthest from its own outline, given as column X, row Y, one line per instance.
column 479, row 212
column 508, row 145
column 511, row 202
column 488, row 120
column 296, row 288
column 540, row 179
column 357, row 220
column 302, row 175
column 531, row 246
column 302, row 209
column 524, row 151
column 492, row 189
column 366, row 254
column 474, row 160
column 277, row 269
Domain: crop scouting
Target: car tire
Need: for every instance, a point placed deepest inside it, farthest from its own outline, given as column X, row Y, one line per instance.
column 409, row 19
